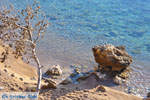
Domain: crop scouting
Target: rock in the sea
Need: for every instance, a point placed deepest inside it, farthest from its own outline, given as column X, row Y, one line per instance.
column 111, row 58
column 54, row 70
column 118, row 80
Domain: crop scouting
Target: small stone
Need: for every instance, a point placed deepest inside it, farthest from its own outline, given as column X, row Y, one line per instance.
column 20, row 88
column 101, row 88
column 54, row 77
column 7, row 66
column 66, row 81
column 17, row 85
column 31, row 89
column 117, row 80
column 26, row 83
column 10, row 45
column 32, row 78
column 12, row 75
column 21, row 79
column 5, row 70
column 77, row 71
column 12, row 89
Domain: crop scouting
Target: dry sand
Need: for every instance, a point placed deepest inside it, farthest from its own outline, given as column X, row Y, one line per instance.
column 15, row 75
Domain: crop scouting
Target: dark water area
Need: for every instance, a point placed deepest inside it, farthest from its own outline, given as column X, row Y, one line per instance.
column 78, row 25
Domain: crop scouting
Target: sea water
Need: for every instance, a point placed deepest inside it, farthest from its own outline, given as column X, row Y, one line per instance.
column 78, row 25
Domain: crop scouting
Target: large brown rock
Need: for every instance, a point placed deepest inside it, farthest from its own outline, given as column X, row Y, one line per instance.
column 109, row 57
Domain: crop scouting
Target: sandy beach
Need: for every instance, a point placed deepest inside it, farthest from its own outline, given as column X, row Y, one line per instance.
column 15, row 75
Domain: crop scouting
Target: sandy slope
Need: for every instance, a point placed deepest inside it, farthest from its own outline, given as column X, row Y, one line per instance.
column 15, row 75
column 88, row 89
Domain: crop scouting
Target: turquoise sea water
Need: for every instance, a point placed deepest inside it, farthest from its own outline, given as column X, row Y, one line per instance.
column 78, row 25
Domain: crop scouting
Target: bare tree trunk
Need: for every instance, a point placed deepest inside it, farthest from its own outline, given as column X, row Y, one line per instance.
column 37, row 62
column 39, row 70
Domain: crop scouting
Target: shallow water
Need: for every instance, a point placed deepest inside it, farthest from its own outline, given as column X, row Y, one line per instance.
column 78, row 25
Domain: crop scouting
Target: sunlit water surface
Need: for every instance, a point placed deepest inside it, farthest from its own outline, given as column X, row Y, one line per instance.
column 78, row 25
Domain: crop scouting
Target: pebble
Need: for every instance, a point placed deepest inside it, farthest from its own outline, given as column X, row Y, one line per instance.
column 12, row 89
column 7, row 66
column 20, row 88
column 26, row 83
column 12, row 75
column 54, row 77
column 77, row 71
column 32, row 78
column 101, row 88
column 21, row 79
column 5, row 70
column 17, row 85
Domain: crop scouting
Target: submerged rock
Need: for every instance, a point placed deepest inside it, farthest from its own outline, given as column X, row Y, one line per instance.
column 54, row 70
column 112, row 58
column 118, row 80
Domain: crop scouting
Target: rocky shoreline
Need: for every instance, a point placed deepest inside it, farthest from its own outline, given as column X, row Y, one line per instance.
column 78, row 85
